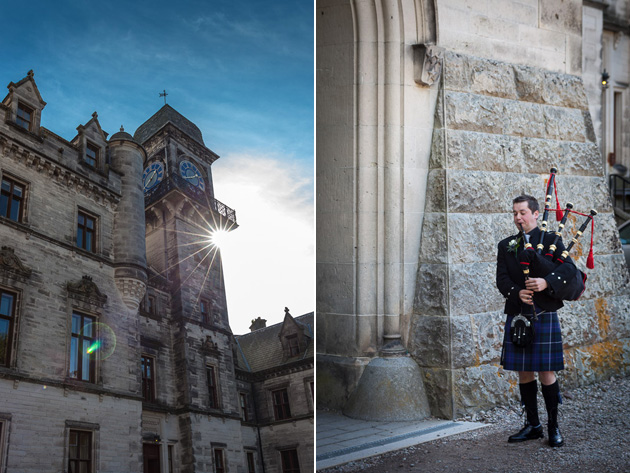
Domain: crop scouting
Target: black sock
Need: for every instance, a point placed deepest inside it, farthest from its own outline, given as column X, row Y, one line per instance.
column 529, row 393
column 551, row 393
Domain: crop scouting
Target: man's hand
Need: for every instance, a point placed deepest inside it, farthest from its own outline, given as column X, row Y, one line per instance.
column 536, row 284
column 526, row 296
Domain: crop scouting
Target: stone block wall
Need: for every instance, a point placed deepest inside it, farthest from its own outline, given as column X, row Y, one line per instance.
column 545, row 34
column 211, row 433
column 294, row 433
column 592, row 29
column 289, row 435
column 39, row 422
column 499, row 128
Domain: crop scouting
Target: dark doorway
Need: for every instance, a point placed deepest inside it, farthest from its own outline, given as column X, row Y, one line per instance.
column 151, row 455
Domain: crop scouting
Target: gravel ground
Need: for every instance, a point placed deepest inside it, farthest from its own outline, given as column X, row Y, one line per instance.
column 594, row 421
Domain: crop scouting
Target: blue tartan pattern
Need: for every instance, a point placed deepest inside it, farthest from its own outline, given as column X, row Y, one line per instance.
column 544, row 354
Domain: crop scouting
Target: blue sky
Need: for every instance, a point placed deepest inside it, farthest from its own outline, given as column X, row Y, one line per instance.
column 241, row 71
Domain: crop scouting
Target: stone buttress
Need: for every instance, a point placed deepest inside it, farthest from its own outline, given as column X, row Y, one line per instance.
column 499, row 128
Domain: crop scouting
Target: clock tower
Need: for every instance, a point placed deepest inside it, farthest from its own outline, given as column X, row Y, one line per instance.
column 186, row 334
column 181, row 214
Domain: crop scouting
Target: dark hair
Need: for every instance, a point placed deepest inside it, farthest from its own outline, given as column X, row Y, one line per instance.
column 532, row 203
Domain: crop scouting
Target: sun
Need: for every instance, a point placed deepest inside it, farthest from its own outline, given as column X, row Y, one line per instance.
column 218, row 238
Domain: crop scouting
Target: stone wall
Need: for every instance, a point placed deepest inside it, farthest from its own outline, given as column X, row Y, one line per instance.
column 592, row 29
column 40, row 416
column 289, row 435
column 545, row 34
column 295, row 433
column 499, row 128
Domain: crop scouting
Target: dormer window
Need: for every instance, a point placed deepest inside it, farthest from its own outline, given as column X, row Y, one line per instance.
column 24, row 117
column 293, row 345
column 91, row 154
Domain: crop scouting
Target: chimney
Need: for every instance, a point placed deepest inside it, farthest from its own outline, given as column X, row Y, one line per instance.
column 257, row 324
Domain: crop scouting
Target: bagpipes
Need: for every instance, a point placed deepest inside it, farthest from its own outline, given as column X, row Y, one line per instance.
column 535, row 264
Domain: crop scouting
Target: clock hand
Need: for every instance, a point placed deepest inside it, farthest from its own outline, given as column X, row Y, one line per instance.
column 191, row 177
column 149, row 178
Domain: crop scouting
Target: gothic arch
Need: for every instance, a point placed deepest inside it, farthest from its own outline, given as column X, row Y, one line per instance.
column 364, row 87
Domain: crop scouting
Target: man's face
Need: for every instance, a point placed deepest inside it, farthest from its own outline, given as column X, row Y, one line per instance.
column 524, row 216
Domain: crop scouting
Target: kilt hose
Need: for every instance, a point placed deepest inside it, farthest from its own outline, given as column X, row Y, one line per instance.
column 544, row 354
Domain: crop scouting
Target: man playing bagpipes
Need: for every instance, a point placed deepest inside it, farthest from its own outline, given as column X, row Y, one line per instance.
column 534, row 283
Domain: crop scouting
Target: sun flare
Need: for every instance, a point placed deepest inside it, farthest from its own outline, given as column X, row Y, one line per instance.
column 219, row 237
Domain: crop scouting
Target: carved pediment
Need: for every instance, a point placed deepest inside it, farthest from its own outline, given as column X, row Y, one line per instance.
column 11, row 263
column 86, row 290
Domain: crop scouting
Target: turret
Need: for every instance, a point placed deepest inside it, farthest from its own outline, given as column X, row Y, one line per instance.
column 130, row 265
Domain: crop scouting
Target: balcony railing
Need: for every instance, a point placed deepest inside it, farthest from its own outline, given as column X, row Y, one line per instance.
column 176, row 182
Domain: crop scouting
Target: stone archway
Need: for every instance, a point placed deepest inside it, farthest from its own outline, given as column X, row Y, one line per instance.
column 374, row 128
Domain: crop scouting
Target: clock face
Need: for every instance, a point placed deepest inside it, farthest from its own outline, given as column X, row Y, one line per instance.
column 153, row 175
column 191, row 173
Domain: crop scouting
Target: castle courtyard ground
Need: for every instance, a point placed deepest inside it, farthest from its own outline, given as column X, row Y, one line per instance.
column 594, row 421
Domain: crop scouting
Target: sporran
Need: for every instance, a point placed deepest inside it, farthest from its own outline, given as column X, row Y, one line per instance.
column 522, row 331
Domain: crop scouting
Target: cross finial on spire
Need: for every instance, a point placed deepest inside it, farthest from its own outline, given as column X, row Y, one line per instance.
column 164, row 94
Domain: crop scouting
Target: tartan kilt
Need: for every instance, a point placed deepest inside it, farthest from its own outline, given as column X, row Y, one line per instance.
column 544, row 354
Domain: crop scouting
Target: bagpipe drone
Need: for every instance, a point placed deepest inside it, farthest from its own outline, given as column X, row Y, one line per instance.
column 535, row 264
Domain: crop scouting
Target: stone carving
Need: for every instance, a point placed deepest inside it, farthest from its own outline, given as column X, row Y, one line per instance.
column 427, row 60
column 10, row 262
column 209, row 344
column 87, row 290
column 131, row 290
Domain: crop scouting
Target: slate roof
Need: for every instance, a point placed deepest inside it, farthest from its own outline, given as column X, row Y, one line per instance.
column 163, row 116
column 261, row 350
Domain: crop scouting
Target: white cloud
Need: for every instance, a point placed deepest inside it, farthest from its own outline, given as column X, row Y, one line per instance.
column 268, row 261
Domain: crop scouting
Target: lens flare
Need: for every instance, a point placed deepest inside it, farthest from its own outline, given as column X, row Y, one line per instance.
column 95, row 346
column 105, row 343
column 218, row 237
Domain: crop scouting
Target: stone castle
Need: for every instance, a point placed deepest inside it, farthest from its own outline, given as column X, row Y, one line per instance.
column 116, row 353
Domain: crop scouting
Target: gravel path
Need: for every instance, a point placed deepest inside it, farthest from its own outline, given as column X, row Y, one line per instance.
column 594, row 421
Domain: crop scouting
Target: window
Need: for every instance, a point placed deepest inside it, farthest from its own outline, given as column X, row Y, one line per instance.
column 170, row 459
column 148, row 379
column 290, row 461
column 148, row 304
column 80, row 452
column 2, row 423
column 91, row 155
column 204, row 308
column 294, row 345
column 243, row 399
column 151, row 304
column 82, row 345
column 618, row 126
column 24, row 117
column 7, row 320
column 281, row 404
column 86, row 232
column 219, row 465
column 12, row 199
column 251, row 465
column 213, row 398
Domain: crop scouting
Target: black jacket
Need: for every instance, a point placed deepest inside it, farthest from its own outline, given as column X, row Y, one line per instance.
column 510, row 277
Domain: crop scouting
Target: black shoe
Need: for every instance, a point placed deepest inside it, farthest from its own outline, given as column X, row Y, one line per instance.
column 527, row 433
column 555, row 437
